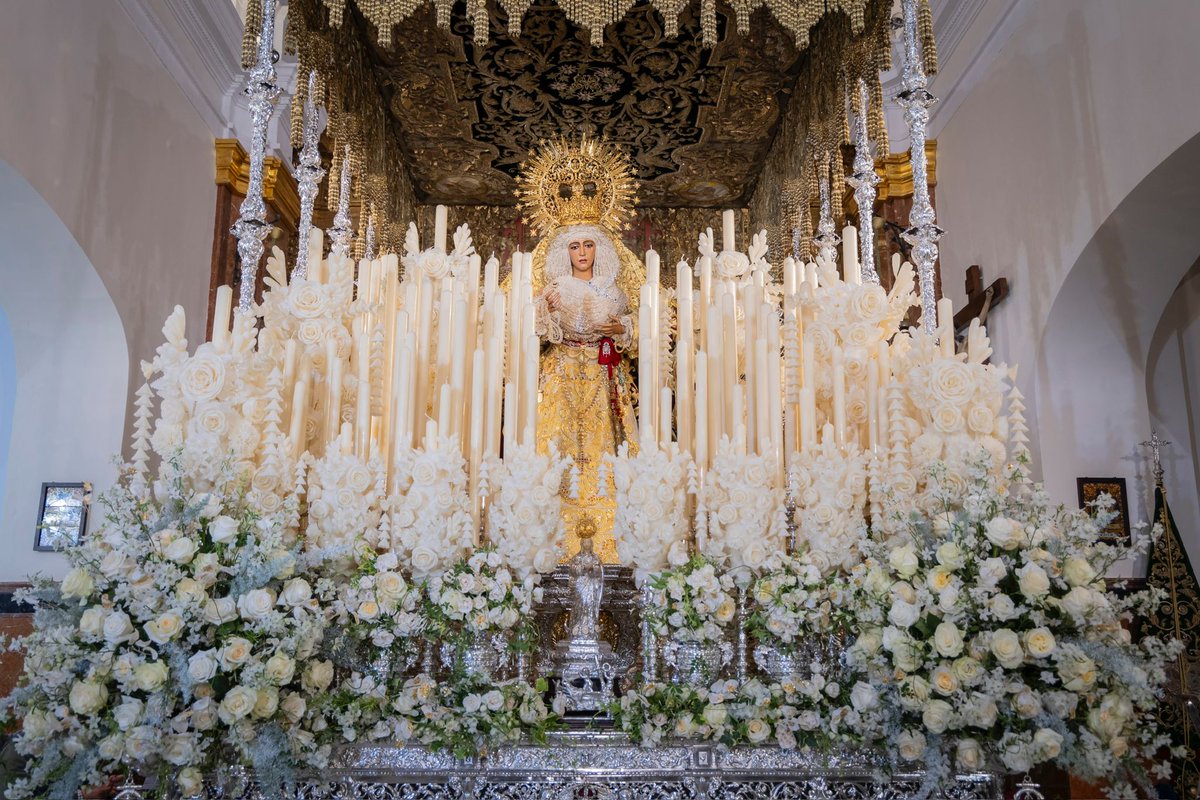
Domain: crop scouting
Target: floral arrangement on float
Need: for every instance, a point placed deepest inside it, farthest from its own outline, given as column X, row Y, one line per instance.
column 652, row 520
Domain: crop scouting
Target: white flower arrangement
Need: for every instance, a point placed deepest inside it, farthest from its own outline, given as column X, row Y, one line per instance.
column 344, row 495
column 651, row 522
column 691, row 603
column 479, row 596
column 524, row 521
column 746, row 517
column 794, row 602
column 828, row 485
column 181, row 630
column 430, row 520
column 993, row 639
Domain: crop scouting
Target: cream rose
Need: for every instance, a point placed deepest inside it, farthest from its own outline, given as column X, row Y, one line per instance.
column 1078, row 572
column 293, row 707
column 947, row 419
column 1047, row 744
column 1006, row 647
column 715, row 715
column 1003, row 533
column 948, row 640
column 266, row 703
column 981, row 420
column 904, row 560
column 256, row 604
column 968, row 755
column 967, row 669
column 150, row 675
column 869, row 302
column 190, row 782
column 757, row 731
column 78, row 583
column 910, row 744
column 164, row 627
column 307, row 301
column 237, row 704
column 118, row 628
column 87, row 698
column 91, row 622
column 235, row 653
column 951, row 381
column 202, row 377
column 937, row 716
column 220, row 610
column 279, row 669
column 128, row 712
column 202, row 666
column 864, row 697
column 1033, row 581
column 423, row 560
column 1039, row 642
column 223, row 529
column 318, row 675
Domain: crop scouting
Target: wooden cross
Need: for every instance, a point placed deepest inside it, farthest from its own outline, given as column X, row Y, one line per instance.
column 980, row 301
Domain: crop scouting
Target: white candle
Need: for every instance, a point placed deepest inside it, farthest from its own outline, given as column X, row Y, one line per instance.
column 714, row 353
column 443, row 412
column 873, row 405
column 808, row 417
column 439, row 228
column 839, row 396
column 645, row 394
column 850, row 266
column 530, row 389
column 700, row 426
column 491, row 278
column 476, row 448
column 810, row 272
column 495, row 388
column 299, row 406
column 458, row 369
column 653, row 266
column 362, row 417
column 774, row 410
column 789, row 277
column 729, row 359
column 664, row 415
column 510, row 417
column 333, row 392
column 683, row 393
column 421, row 370
column 945, row 313
column 445, row 335
column 739, row 421
column 221, row 313
column 885, row 368
column 762, row 430
column 316, row 251
column 727, row 229
column 401, row 425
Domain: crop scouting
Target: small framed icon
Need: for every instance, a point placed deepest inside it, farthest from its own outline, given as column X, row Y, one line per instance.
column 1117, row 530
column 62, row 517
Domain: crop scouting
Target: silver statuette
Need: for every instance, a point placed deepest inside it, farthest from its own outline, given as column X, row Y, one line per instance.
column 586, row 664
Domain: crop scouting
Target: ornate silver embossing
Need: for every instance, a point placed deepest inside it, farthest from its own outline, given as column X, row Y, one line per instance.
column 696, row 663
column 826, row 239
column 864, row 181
column 340, row 233
column 923, row 233
column 251, row 227
column 308, row 176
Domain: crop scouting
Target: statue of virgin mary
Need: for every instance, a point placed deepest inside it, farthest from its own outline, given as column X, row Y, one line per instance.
column 584, row 282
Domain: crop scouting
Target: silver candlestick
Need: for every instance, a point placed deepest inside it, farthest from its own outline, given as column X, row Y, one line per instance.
column 740, row 662
column 369, row 235
column 826, row 239
column 251, row 227
column 649, row 639
column 340, row 234
column 308, row 176
column 864, row 181
column 923, row 233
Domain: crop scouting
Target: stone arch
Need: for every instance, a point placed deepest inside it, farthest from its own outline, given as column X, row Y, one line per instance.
column 68, row 371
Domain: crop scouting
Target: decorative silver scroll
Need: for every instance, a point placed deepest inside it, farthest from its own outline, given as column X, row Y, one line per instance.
column 923, row 233
column 308, row 176
column 251, row 227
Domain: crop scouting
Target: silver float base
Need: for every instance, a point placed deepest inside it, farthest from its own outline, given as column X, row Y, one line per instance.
column 604, row 766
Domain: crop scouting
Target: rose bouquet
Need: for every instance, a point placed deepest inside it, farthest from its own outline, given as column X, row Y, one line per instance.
column 430, row 521
column 997, row 646
column 477, row 713
column 479, row 600
column 654, row 712
column 795, row 604
column 651, row 523
column 524, row 515
column 746, row 518
column 179, row 635
column 691, row 603
column 828, row 485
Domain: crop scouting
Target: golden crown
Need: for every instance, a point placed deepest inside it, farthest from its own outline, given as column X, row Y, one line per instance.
column 585, row 528
column 589, row 182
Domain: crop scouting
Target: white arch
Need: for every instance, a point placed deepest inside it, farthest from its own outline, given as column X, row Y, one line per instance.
column 69, row 366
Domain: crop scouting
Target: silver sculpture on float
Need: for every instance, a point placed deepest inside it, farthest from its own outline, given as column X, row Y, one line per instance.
column 827, row 238
column 340, row 233
column 308, row 177
column 864, row 181
column 587, row 667
column 922, row 233
column 251, row 227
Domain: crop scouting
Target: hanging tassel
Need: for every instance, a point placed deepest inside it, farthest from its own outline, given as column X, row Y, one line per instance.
column 928, row 45
column 250, row 35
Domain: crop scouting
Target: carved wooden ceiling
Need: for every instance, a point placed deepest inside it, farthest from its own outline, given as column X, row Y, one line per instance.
column 697, row 122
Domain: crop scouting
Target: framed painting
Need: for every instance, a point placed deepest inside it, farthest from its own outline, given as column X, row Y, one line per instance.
column 1117, row 531
column 62, row 516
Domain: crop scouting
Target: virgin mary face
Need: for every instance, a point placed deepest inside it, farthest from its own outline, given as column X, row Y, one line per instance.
column 583, row 254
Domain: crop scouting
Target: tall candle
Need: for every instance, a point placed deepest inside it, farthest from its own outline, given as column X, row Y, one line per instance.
column 664, row 415
column 645, row 393
column 714, row 352
column 810, row 273
column 221, row 314
column 495, row 389
column 421, row 369
column 850, row 266
column 839, row 396
column 683, row 393
column 873, row 405
column 333, row 407
column 727, row 229
column 729, row 359
column 945, row 313
column 530, row 389
column 762, row 430
column 491, row 278
column 789, row 277
column 701, row 426
column 296, row 429
column 362, row 417
column 774, row 410
column 439, row 228
column 653, row 266
column 739, row 421
column 458, row 369
column 316, row 251
column 510, row 417
column 808, row 417
column 402, row 419
column 476, row 448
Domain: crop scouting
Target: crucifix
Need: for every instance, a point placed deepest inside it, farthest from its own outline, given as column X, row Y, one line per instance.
column 1156, row 445
column 979, row 300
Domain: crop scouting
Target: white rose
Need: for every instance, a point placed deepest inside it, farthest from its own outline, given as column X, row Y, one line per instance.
column 204, row 714
column 235, row 653
column 1047, row 744
column 190, row 782
column 1002, row 607
column 944, row 681
column 205, row 568
column 1003, row 533
column 318, row 675
column 150, row 675
column 1078, row 572
column 1015, row 753
column 190, row 591
column 78, row 583
column 951, row 381
column 114, row 564
column 757, row 731
column 296, row 592
column 279, row 669
column 1039, row 642
column 1033, row 580
column 164, row 627
column 864, row 697
column 293, row 707
column 367, row 610
column 1026, row 703
column 237, row 704
column 715, row 715
column 754, row 554
column 493, row 700
column 423, row 561
column 968, row 755
column 967, row 669
column 390, row 587
column 202, row 666
column 904, row 561
column 223, row 529
column 947, row 419
column 1078, row 601
column 936, row 716
column 951, row 556
column 948, row 639
column 1006, row 647
column 87, row 697
column 910, row 744
column 142, row 742
column 266, row 702
column 118, row 628
column 180, row 550
column 128, row 712
column 91, row 622
column 256, row 604
column 981, row 711
column 902, row 614
column 546, row 560
column 202, row 377
column 472, row 703
column 981, row 420
column 178, row 750
column 220, row 610
column 991, row 571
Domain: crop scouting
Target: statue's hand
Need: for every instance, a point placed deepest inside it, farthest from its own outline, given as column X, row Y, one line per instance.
column 611, row 328
column 552, row 299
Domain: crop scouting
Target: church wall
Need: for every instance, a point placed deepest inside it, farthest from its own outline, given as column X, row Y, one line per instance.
column 101, row 130
column 1082, row 103
column 67, row 376
column 1173, row 387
